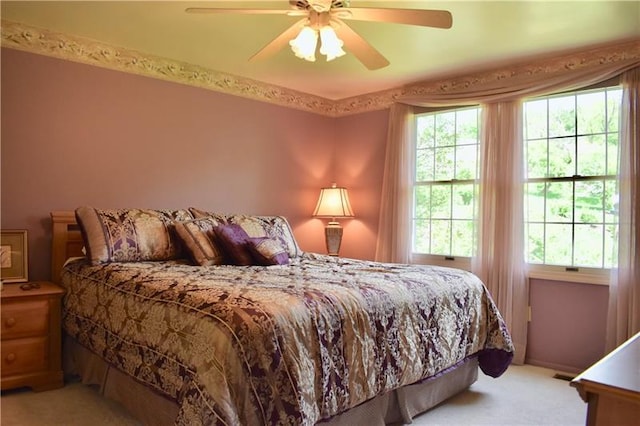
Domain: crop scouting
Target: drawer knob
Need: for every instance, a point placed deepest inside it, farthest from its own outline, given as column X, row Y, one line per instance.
column 10, row 322
column 10, row 358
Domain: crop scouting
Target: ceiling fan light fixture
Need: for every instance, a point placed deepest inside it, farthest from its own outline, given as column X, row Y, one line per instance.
column 304, row 45
column 330, row 44
column 324, row 19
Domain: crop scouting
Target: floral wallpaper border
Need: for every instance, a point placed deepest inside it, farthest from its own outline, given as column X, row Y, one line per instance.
column 83, row 50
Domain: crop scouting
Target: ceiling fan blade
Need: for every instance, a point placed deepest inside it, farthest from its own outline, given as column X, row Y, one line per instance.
column 425, row 18
column 290, row 12
column 279, row 42
column 361, row 49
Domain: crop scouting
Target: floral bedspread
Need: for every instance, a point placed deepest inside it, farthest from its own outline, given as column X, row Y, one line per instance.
column 282, row 345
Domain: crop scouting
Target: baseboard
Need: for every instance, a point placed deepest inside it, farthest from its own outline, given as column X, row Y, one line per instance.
column 560, row 369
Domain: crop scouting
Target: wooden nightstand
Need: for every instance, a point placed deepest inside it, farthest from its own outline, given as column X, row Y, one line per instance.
column 31, row 336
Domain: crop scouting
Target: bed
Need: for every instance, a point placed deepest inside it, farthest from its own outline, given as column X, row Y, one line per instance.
column 161, row 321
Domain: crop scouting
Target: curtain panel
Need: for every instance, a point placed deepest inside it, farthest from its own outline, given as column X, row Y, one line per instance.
column 500, row 253
column 624, row 289
column 499, row 260
column 394, row 223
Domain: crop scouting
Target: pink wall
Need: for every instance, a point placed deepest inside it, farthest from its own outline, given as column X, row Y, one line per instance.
column 75, row 135
column 567, row 325
column 360, row 150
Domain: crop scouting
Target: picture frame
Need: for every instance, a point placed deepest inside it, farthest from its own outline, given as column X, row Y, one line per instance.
column 14, row 256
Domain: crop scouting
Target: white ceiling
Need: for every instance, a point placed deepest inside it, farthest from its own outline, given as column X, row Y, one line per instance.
column 484, row 34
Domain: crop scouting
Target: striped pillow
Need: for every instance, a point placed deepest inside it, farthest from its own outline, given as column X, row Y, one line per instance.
column 267, row 251
column 130, row 235
column 198, row 237
column 274, row 227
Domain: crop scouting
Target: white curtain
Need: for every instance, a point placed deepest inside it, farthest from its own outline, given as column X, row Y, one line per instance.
column 501, row 267
column 499, row 260
column 624, row 290
column 394, row 224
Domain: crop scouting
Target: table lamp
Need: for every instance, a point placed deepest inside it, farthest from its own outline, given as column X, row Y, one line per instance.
column 333, row 203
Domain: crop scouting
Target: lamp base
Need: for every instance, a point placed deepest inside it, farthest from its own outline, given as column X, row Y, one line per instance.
column 333, row 238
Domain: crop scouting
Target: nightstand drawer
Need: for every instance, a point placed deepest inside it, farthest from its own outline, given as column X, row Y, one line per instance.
column 30, row 348
column 24, row 356
column 24, row 318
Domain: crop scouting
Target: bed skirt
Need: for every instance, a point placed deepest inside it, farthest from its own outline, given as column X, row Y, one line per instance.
column 151, row 408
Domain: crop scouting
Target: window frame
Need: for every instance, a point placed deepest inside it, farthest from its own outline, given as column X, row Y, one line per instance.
column 460, row 262
column 578, row 274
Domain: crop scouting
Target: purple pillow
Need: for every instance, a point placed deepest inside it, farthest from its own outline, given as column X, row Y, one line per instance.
column 235, row 244
column 268, row 251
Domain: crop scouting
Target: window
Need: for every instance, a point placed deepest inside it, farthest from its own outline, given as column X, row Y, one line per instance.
column 445, row 190
column 571, row 160
column 570, row 200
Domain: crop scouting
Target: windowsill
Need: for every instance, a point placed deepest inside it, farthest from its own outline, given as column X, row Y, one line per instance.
column 542, row 272
column 427, row 259
column 559, row 273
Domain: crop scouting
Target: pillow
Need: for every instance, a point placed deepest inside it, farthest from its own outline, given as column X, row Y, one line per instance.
column 197, row 213
column 198, row 238
column 274, row 227
column 267, row 251
column 235, row 243
column 130, row 235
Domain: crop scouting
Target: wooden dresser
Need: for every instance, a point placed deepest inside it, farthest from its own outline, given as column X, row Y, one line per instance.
column 611, row 387
column 31, row 336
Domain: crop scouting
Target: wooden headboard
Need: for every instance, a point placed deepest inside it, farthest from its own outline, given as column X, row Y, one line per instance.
column 67, row 241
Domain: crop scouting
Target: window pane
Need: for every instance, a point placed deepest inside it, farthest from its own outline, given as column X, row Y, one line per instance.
column 445, row 129
column 562, row 116
column 588, row 204
column 562, row 157
column 591, row 113
column 612, row 154
column 535, row 201
column 558, row 244
column 592, row 155
column 424, row 165
column 421, row 233
column 422, row 202
column 426, row 131
column 560, row 202
column 610, row 255
column 614, row 101
column 588, row 243
column 441, row 237
column 441, row 201
column 462, row 238
column 466, row 156
column 444, row 164
column 610, row 246
column 535, row 242
column 537, row 158
column 467, row 126
column 611, row 201
column 536, row 119
column 463, row 207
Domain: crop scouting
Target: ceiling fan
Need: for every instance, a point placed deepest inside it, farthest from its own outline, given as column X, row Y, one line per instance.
column 324, row 18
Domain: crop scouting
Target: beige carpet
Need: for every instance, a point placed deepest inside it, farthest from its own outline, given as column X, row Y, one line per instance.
column 524, row 395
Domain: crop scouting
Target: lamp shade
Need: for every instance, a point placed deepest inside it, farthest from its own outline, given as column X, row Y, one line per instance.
column 334, row 203
column 330, row 44
column 304, row 45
